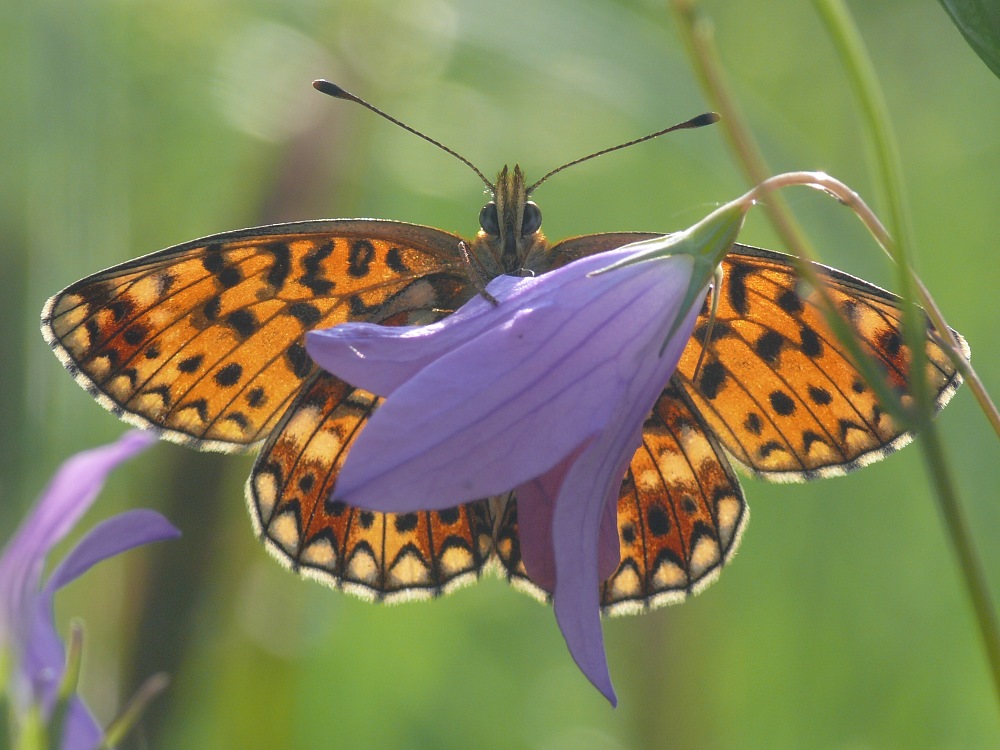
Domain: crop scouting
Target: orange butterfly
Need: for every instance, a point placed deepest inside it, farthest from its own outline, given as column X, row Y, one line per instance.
column 203, row 342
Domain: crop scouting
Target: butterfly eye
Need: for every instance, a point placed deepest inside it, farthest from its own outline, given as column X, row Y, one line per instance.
column 531, row 222
column 489, row 220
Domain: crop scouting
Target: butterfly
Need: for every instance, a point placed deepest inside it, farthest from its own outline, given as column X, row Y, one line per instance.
column 204, row 343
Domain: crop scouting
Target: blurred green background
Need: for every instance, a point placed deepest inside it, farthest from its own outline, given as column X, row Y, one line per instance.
column 131, row 126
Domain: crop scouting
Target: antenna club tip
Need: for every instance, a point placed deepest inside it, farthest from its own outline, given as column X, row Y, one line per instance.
column 705, row 119
column 331, row 89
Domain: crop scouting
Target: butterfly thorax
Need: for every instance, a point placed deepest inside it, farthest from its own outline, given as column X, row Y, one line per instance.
column 510, row 238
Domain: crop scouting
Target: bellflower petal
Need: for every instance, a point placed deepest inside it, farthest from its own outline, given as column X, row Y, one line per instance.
column 27, row 627
column 379, row 359
column 545, row 394
column 118, row 534
column 528, row 386
column 69, row 495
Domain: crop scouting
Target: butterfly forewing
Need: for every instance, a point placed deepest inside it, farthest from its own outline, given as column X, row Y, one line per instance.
column 204, row 341
column 375, row 555
column 777, row 387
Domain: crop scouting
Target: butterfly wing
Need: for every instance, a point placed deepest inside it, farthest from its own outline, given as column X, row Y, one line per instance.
column 779, row 390
column 775, row 390
column 775, row 386
column 681, row 513
column 384, row 556
column 204, row 341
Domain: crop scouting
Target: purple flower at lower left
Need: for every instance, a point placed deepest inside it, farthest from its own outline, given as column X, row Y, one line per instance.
column 30, row 646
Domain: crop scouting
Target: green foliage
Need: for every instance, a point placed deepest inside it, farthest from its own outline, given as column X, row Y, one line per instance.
column 979, row 22
column 133, row 126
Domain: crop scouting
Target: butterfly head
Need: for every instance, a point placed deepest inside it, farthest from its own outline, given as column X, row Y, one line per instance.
column 510, row 222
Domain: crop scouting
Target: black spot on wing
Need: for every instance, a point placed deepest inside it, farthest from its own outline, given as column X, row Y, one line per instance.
column 753, row 423
column 299, row 360
column 211, row 308
column 738, row 288
column 229, row 375
column 658, row 520
column 782, row 403
column 190, row 364
column 811, row 344
column 121, row 309
column 359, row 258
column 820, row 396
column 256, row 397
column 406, row 522
column 278, row 272
column 713, row 377
column 394, row 259
column 306, row 313
column 244, row 322
column 790, row 302
column 313, row 278
column 135, row 334
column 768, row 346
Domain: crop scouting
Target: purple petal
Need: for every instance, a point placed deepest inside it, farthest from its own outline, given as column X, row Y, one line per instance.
column 43, row 652
column 509, row 404
column 590, row 485
column 118, row 534
column 381, row 358
column 70, row 493
column 535, row 507
column 588, row 491
column 80, row 731
column 26, row 619
column 536, row 503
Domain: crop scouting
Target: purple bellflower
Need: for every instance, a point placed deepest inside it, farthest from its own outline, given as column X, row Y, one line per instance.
column 544, row 393
column 30, row 646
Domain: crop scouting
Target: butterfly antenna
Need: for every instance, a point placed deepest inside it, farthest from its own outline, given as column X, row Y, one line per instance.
column 695, row 122
column 712, row 314
column 332, row 89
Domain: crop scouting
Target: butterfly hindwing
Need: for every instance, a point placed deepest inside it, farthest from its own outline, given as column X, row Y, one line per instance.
column 204, row 341
column 681, row 511
column 382, row 556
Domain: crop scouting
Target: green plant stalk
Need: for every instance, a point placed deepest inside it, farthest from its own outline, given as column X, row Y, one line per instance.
column 850, row 47
column 122, row 724
column 969, row 564
column 698, row 41
column 848, row 42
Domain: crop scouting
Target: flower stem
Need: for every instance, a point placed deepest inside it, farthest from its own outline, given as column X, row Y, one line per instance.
column 859, row 67
column 848, row 42
column 122, row 724
column 696, row 34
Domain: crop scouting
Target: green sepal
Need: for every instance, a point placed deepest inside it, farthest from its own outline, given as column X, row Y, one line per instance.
column 706, row 243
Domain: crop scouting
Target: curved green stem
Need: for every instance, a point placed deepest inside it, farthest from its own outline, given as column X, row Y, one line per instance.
column 696, row 34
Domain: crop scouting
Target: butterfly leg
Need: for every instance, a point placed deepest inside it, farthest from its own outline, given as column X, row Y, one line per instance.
column 476, row 274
